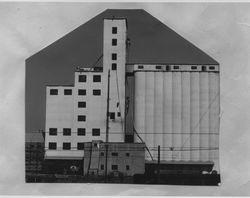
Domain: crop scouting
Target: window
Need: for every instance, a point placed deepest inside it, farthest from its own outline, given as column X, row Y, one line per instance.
column 112, row 115
column 114, row 30
column 102, row 153
column 193, row 67
column 140, row 67
column 157, row 67
column 82, row 104
column 95, row 132
column 80, row 146
column 118, row 114
column 67, row 91
column 81, row 92
column 127, row 154
column 54, row 92
column 212, row 67
column 81, row 118
column 52, row 131
column 102, row 166
column 52, row 145
column 203, row 68
column 114, row 167
column 66, row 145
column 114, row 66
column 114, row 42
column 176, row 67
column 82, row 78
column 81, row 131
column 95, row 145
column 127, row 167
column 67, row 131
column 167, row 68
column 96, row 92
column 97, row 78
column 114, row 56
column 114, row 154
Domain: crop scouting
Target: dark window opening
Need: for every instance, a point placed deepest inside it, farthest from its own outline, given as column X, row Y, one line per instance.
column 118, row 114
column 114, row 154
column 96, row 92
column 95, row 132
column 81, row 92
column 127, row 154
column 67, row 131
column 82, row 78
column 127, row 167
column 95, row 145
column 67, row 91
column 114, row 56
column 167, row 68
column 102, row 153
column 66, row 145
column 203, row 68
column 81, row 118
column 97, row 78
column 114, row 167
column 102, row 166
column 114, row 30
column 114, row 66
column 140, row 67
column 54, row 92
column 112, row 115
column 53, row 131
column 114, row 42
column 82, row 104
column 81, row 131
column 176, row 67
column 193, row 67
column 80, row 146
column 157, row 67
column 212, row 67
column 52, row 145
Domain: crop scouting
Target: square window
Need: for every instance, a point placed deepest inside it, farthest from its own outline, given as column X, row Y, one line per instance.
column 118, row 114
column 114, row 167
column 66, row 145
column 52, row 131
column 67, row 91
column 81, row 92
column 193, row 67
column 127, row 154
column 112, row 115
column 52, row 145
column 80, row 146
column 211, row 67
column 95, row 132
column 66, row 131
column 203, row 68
column 167, row 68
column 82, row 78
column 97, row 78
column 115, row 154
column 53, row 91
column 81, row 131
column 82, row 104
column 127, row 167
column 176, row 67
column 96, row 92
column 114, row 66
column 102, row 166
column 114, row 30
column 157, row 67
column 81, row 118
column 114, row 42
column 140, row 67
column 114, row 56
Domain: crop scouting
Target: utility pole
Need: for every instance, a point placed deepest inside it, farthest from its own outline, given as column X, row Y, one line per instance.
column 158, row 167
column 107, row 130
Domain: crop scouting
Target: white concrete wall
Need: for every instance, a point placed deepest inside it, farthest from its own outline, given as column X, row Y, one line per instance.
column 181, row 107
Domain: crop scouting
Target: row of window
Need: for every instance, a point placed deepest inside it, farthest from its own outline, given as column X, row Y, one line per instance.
column 115, row 167
column 81, row 92
column 80, row 132
column 168, row 68
column 114, row 154
column 83, row 78
column 66, row 146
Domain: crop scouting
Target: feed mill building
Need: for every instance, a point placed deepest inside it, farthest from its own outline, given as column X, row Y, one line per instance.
column 163, row 91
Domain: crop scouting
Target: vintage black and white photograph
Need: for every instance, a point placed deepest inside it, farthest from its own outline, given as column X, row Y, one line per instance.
column 125, row 98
